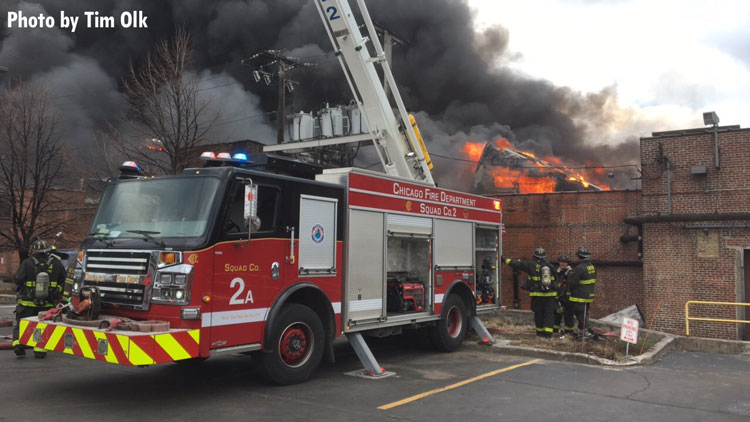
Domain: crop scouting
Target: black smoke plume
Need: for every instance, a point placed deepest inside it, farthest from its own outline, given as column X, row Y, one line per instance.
column 447, row 73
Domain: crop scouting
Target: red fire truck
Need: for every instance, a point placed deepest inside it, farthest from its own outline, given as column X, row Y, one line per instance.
column 240, row 260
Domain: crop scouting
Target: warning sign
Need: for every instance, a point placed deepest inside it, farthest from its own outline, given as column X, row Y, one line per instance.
column 629, row 330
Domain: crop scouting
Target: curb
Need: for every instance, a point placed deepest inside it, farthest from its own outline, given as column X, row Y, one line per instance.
column 664, row 346
column 7, row 299
column 6, row 322
column 6, row 345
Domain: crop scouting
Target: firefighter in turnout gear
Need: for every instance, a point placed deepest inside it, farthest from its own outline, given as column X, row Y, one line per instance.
column 541, row 285
column 581, row 284
column 564, row 308
column 39, row 285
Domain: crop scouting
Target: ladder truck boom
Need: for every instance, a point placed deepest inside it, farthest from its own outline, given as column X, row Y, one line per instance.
column 399, row 148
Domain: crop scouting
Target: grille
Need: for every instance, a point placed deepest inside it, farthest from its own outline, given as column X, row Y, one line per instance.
column 118, row 262
column 120, row 293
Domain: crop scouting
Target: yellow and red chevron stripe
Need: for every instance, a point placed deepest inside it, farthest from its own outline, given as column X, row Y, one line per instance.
column 123, row 349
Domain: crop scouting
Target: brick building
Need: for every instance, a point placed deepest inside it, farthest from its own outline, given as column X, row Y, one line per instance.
column 563, row 221
column 696, row 233
column 694, row 221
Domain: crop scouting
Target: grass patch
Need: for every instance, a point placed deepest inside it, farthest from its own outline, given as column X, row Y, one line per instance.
column 525, row 335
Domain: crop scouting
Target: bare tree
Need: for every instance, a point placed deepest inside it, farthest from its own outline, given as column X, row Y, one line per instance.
column 165, row 108
column 31, row 162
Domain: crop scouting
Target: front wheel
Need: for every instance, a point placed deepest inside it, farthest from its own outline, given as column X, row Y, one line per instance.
column 450, row 331
column 297, row 346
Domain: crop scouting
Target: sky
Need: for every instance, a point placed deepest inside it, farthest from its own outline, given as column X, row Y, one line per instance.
column 668, row 60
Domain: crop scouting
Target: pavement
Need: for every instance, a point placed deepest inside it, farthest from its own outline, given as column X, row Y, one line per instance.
column 428, row 386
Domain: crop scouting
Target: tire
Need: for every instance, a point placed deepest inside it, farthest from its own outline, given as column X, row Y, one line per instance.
column 297, row 345
column 451, row 330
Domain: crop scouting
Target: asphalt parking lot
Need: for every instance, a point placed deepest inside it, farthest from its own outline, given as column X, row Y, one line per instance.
column 427, row 386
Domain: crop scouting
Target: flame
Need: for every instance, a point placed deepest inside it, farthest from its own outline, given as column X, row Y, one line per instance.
column 506, row 178
column 542, row 177
column 473, row 150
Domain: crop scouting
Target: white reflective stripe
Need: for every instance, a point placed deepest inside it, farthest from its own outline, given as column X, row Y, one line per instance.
column 365, row 305
column 439, row 298
column 244, row 316
column 336, row 307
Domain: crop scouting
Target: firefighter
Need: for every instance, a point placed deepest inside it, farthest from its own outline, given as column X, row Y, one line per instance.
column 541, row 284
column 564, row 309
column 581, row 284
column 69, row 275
column 39, row 284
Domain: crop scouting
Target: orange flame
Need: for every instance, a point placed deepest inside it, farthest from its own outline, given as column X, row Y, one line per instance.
column 550, row 167
column 473, row 150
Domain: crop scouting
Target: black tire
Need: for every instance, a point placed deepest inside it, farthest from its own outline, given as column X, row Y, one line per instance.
column 451, row 330
column 297, row 345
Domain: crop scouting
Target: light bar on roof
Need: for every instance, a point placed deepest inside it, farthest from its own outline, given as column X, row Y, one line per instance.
column 208, row 155
column 130, row 164
column 224, row 155
column 240, row 156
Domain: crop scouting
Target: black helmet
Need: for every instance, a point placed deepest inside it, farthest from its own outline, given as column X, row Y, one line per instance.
column 564, row 258
column 40, row 246
column 583, row 253
column 540, row 253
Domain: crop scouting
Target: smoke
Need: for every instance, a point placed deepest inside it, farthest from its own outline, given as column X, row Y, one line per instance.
column 448, row 73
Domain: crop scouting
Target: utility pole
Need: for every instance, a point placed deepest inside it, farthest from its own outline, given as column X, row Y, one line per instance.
column 283, row 64
column 389, row 39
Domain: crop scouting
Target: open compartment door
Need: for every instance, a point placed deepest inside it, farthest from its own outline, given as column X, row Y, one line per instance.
column 365, row 279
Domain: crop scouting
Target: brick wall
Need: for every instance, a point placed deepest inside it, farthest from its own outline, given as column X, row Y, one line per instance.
column 684, row 260
column 562, row 222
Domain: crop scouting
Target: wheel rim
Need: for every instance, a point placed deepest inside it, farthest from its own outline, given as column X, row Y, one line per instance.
column 453, row 321
column 296, row 344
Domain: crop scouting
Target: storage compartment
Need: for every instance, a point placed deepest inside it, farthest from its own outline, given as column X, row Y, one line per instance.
column 408, row 273
column 487, row 253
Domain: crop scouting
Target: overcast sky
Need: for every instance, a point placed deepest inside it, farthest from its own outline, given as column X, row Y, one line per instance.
column 669, row 60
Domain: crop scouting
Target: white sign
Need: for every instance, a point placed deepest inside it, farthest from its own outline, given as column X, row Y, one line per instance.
column 629, row 330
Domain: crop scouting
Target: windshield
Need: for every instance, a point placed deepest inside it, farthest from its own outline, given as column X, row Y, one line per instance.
column 156, row 208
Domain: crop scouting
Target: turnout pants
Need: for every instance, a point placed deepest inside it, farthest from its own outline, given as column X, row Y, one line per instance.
column 544, row 308
column 577, row 310
column 25, row 312
column 566, row 315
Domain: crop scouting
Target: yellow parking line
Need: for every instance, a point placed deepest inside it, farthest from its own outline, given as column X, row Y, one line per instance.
column 456, row 385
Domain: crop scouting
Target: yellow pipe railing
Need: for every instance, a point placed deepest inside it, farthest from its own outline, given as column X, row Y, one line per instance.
column 700, row 302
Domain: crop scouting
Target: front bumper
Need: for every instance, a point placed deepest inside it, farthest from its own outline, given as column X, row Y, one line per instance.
column 128, row 348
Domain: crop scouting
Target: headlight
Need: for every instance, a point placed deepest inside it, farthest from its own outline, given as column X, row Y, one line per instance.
column 172, row 285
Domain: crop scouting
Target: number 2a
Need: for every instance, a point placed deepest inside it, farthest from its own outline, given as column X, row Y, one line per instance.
column 236, row 299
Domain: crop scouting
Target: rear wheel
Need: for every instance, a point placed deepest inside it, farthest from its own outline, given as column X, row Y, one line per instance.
column 297, row 346
column 450, row 331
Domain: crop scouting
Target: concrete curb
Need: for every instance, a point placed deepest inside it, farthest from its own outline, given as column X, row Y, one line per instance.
column 6, row 322
column 7, row 299
column 664, row 346
column 666, row 343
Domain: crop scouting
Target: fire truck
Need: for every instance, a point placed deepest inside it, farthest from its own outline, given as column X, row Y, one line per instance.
column 268, row 256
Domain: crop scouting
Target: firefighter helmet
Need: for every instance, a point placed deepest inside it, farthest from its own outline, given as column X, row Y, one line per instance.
column 583, row 253
column 564, row 258
column 40, row 246
column 540, row 253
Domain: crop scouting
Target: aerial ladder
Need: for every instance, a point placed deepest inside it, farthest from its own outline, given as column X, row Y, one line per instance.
column 394, row 132
column 399, row 146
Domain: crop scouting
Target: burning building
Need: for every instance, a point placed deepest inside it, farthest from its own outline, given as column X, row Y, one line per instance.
column 502, row 168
